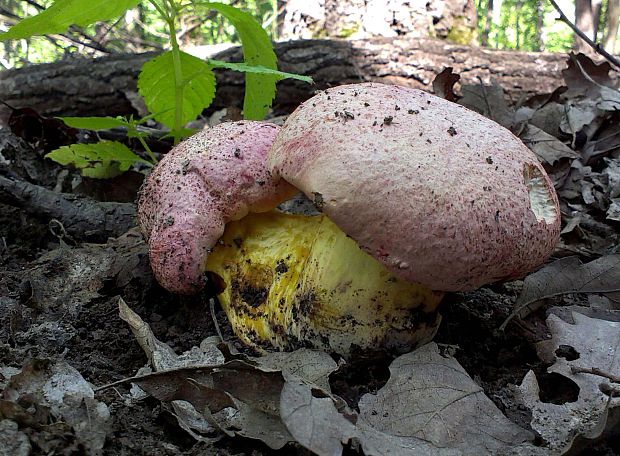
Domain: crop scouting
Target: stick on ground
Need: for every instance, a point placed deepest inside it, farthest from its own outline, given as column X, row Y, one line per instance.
column 83, row 218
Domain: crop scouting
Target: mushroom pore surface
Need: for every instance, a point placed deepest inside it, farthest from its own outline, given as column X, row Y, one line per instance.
column 439, row 194
column 213, row 177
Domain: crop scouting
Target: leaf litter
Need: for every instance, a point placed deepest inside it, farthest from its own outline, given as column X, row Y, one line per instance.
column 286, row 397
column 585, row 344
column 429, row 404
column 568, row 275
column 61, row 399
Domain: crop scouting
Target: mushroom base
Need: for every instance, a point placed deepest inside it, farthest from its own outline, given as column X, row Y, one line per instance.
column 297, row 281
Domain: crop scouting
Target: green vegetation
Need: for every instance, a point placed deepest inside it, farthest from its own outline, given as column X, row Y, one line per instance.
column 527, row 25
column 138, row 29
column 176, row 86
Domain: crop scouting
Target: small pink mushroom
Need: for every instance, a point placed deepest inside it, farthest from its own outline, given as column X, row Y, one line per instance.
column 216, row 176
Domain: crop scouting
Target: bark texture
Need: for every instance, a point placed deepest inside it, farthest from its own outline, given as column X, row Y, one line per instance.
column 587, row 14
column 453, row 19
column 611, row 26
column 81, row 217
column 107, row 86
column 24, row 176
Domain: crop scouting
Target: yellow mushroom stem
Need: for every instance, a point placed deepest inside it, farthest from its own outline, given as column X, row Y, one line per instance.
column 298, row 281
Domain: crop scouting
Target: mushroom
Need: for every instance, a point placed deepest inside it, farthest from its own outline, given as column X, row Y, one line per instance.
column 298, row 281
column 418, row 196
column 216, row 176
column 439, row 194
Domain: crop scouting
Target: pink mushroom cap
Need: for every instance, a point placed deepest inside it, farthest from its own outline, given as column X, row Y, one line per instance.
column 438, row 193
column 211, row 178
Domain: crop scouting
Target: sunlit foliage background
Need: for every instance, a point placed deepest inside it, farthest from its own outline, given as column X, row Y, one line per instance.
column 528, row 25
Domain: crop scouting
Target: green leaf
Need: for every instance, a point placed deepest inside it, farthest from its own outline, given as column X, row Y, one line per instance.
column 100, row 160
column 258, row 69
column 157, row 87
column 260, row 89
column 94, row 123
column 63, row 13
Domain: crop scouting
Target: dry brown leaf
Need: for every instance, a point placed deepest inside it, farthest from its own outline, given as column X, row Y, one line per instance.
column 548, row 118
column 235, row 397
column 571, row 189
column 579, row 114
column 210, row 392
column 429, row 406
column 488, row 101
column 547, row 148
column 589, row 343
column 60, row 395
column 568, row 275
column 443, row 84
column 583, row 76
column 566, row 313
column 607, row 141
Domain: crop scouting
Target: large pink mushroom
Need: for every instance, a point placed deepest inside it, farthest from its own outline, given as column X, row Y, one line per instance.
column 439, row 194
column 442, row 198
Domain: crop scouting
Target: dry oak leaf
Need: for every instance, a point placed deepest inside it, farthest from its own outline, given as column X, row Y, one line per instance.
column 589, row 343
column 429, row 406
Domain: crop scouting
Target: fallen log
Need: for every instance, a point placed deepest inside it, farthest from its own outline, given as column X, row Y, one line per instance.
column 107, row 85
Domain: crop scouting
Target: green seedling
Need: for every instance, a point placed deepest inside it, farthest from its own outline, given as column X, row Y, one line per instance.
column 176, row 86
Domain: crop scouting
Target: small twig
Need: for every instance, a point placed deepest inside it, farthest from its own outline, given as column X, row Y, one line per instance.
column 214, row 317
column 595, row 371
column 58, row 231
column 596, row 46
column 82, row 217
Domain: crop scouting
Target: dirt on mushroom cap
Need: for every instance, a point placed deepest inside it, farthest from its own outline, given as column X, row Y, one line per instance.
column 439, row 194
column 212, row 177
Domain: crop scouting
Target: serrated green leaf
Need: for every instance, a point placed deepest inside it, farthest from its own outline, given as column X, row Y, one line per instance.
column 63, row 13
column 156, row 84
column 100, row 160
column 258, row 69
column 260, row 89
column 94, row 123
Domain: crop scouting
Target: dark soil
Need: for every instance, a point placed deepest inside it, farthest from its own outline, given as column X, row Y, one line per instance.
column 96, row 342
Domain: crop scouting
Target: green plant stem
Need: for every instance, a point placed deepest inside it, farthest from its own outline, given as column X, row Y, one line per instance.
column 162, row 12
column 148, row 150
column 170, row 18
column 178, row 72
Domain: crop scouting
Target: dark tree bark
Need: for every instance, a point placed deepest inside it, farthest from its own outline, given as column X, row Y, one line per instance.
column 484, row 39
column 611, row 25
column 452, row 19
column 81, row 217
column 107, row 86
column 587, row 16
